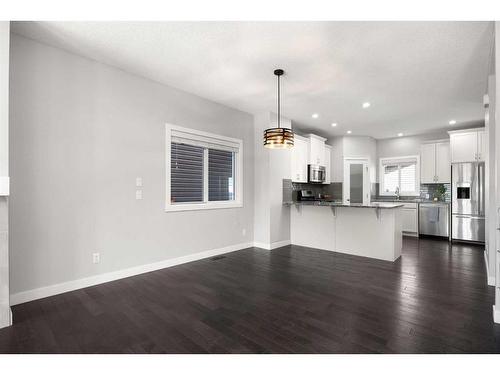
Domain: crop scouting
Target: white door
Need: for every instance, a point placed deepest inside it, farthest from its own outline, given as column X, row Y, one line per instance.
column 463, row 147
column 482, row 145
column 428, row 163
column 443, row 163
column 356, row 186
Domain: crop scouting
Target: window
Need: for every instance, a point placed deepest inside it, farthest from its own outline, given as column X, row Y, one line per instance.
column 402, row 173
column 203, row 170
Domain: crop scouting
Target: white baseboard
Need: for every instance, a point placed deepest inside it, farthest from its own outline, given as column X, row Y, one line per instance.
column 51, row 290
column 491, row 279
column 496, row 315
column 271, row 246
column 5, row 317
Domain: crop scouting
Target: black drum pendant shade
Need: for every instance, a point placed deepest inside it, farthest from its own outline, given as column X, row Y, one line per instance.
column 278, row 137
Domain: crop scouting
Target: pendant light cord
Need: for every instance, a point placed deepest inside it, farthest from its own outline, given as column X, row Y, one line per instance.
column 279, row 110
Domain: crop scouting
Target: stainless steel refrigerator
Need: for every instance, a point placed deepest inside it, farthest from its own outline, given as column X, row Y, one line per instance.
column 467, row 202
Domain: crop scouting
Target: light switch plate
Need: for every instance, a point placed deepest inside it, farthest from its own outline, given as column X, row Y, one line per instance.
column 138, row 181
column 138, row 194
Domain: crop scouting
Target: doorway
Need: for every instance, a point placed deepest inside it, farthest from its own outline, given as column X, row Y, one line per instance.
column 356, row 181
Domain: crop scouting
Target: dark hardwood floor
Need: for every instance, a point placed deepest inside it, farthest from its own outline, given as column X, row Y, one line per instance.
column 434, row 299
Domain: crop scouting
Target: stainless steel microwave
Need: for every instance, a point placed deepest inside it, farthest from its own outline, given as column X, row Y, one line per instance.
column 316, row 173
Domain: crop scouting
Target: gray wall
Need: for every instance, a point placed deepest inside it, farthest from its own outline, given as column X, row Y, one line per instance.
column 272, row 219
column 81, row 132
column 4, row 173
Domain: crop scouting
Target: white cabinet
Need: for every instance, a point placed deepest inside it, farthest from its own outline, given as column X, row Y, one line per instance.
column 482, row 145
column 409, row 220
column 328, row 164
column 443, row 162
column 299, row 159
column 316, row 150
column 435, row 164
column 310, row 150
column 428, row 163
column 468, row 145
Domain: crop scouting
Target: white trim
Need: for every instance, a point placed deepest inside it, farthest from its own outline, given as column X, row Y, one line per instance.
column 496, row 314
column 4, row 186
column 272, row 246
column 51, row 290
column 206, row 205
column 316, row 137
column 461, row 131
column 490, row 279
column 5, row 316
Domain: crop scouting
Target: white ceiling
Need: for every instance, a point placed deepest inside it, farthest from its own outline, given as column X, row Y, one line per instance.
column 417, row 75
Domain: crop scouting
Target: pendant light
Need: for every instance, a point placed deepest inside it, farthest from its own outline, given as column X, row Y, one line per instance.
column 278, row 137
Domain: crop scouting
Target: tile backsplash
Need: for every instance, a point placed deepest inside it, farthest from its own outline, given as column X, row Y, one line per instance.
column 290, row 189
column 428, row 191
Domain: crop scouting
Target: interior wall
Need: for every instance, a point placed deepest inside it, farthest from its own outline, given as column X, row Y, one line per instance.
column 4, row 174
column 490, row 199
column 497, row 169
column 272, row 219
column 81, row 132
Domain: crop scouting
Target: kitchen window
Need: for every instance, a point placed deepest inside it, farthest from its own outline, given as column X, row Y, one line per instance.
column 204, row 170
column 400, row 173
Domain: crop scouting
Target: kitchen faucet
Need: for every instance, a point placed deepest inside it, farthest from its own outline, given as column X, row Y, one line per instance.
column 397, row 192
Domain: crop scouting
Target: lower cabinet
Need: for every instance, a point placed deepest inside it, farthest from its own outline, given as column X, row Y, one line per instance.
column 410, row 221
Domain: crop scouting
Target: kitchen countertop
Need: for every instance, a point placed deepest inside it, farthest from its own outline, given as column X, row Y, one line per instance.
column 387, row 205
column 416, row 200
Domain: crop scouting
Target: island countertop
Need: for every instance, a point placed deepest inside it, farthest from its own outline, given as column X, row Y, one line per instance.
column 387, row 205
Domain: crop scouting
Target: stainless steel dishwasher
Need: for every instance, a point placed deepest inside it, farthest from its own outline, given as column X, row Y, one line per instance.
column 434, row 219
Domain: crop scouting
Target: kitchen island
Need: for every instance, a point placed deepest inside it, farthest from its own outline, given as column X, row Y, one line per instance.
column 371, row 230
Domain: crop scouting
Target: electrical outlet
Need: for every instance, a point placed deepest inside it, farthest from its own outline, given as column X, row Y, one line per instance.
column 138, row 194
column 96, row 258
column 138, row 181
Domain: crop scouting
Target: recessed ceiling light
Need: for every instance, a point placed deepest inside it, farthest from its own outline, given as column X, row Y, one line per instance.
column 315, row 115
column 366, row 104
column 452, row 122
column 400, row 134
column 334, row 124
column 349, row 132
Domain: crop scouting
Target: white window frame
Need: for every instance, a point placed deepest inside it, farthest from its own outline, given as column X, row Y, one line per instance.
column 395, row 159
column 206, row 204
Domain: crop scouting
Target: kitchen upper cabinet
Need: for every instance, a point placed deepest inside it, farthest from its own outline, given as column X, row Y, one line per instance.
column 299, row 159
column 468, row 145
column 443, row 162
column 328, row 164
column 316, row 150
column 482, row 145
column 435, row 164
column 428, row 163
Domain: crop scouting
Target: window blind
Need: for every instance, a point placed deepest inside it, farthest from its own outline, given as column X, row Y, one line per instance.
column 408, row 177
column 220, row 175
column 391, row 177
column 204, row 141
column 186, row 173
column 400, row 173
